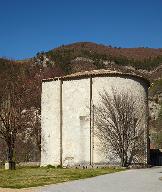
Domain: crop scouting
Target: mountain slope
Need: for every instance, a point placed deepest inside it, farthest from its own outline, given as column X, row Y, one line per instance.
column 87, row 56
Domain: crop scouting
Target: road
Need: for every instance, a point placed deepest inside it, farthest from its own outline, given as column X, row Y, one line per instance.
column 135, row 180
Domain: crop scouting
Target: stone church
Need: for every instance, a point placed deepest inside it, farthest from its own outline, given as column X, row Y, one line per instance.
column 67, row 117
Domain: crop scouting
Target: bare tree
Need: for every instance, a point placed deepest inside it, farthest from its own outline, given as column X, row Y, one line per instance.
column 32, row 122
column 118, row 121
column 16, row 122
column 10, row 120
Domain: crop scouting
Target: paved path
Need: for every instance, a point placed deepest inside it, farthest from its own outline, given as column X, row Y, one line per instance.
column 140, row 180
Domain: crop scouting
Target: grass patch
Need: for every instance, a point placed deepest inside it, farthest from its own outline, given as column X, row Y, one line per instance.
column 38, row 176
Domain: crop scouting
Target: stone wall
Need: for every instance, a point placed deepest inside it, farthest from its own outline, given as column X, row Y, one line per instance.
column 76, row 126
column 50, row 123
column 130, row 86
column 76, row 117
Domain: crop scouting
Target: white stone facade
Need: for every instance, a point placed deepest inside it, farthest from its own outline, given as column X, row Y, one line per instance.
column 66, row 116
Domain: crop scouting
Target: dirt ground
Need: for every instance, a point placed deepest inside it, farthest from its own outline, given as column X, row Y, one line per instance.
column 18, row 190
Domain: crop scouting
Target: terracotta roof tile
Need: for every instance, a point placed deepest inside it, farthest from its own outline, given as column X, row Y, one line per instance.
column 94, row 73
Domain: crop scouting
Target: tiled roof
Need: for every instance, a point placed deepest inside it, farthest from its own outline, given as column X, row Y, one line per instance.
column 97, row 73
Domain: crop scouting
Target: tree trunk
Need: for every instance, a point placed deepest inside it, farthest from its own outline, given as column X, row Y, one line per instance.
column 124, row 160
column 10, row 164
column 10, row 153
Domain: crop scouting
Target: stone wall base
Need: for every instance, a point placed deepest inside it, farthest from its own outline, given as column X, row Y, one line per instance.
column 10, row 165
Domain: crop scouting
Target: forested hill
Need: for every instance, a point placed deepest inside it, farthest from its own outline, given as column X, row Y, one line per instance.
column 140, row 58
column 87, row 56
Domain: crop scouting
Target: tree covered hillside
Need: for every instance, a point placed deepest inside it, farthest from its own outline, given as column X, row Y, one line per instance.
column 139, row 58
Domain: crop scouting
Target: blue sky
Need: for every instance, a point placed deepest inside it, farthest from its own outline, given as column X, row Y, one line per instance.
column 30, row 26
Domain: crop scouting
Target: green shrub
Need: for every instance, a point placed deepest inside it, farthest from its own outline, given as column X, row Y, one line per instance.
column 59, row 166
column 50, row 167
